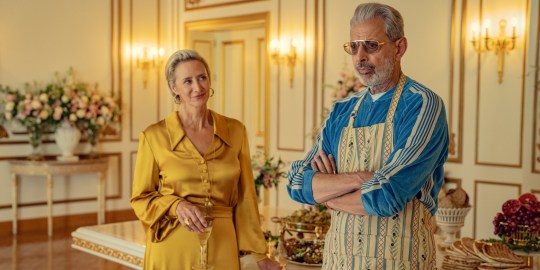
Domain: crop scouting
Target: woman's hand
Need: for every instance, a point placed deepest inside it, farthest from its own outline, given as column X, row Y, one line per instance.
column 190, row 217
column 324, row 163
column 267, row 264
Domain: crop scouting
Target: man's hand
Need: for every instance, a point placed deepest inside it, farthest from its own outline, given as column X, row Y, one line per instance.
column 324, row 163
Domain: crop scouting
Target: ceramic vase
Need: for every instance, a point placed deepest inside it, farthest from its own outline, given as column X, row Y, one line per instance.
column 67, row 138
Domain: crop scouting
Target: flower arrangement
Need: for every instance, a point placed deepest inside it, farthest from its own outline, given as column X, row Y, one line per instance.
column 347, row 85
column 31, row 109
column 41, row 109
column 266, row 170
column 83, row 106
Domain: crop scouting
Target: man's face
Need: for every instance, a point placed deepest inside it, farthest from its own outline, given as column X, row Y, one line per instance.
column 375, row 68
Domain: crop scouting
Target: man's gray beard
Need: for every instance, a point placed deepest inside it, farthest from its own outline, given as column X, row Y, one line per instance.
column 380, row 77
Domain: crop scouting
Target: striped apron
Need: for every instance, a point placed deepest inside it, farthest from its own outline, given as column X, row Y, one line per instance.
column 403, row 241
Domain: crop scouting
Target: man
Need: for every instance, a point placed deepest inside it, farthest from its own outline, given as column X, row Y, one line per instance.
column 378, row 160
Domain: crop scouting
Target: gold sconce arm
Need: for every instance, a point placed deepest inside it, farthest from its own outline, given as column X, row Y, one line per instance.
column 147, row 59
column 501, row 44
column 285, row 53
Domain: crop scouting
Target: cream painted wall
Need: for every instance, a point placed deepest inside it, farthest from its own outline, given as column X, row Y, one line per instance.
column 493, row 161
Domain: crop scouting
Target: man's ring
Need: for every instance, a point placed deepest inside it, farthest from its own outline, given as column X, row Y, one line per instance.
column 187, row 221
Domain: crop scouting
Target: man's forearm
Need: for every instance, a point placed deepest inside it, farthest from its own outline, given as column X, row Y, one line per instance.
column 329, row 186
column 350, row 203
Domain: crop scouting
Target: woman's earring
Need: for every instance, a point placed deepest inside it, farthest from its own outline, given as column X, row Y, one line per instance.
column 213, row 92
column 177, row 99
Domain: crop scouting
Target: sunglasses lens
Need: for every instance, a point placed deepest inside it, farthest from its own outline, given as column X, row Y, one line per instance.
column 351, row 47
column 370, row 46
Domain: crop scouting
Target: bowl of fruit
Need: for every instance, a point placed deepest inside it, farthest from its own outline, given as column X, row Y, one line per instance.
column 306, row 220
column 518, row 225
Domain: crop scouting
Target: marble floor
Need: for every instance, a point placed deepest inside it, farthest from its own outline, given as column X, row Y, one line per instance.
column 32, row 249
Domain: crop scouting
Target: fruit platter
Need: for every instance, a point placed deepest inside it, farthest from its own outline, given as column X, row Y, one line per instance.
column 518, row 225
column 304, row 251
column 302, row 235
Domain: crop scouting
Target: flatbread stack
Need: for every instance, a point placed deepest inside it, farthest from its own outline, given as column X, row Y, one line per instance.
column 460, row 255
column 466, row 253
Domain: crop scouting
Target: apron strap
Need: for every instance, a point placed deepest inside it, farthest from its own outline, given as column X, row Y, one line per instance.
column 390, row 115
column 355, row 110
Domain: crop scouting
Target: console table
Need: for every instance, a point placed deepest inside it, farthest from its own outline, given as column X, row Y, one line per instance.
column 50, row 168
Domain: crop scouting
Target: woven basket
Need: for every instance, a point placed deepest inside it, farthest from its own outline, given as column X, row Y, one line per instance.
column 452, row 215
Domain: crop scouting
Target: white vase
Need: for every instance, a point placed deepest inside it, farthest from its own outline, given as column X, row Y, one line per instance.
column 67, row 138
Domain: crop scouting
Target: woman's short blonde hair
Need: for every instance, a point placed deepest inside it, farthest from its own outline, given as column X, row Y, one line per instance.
column 178, row 57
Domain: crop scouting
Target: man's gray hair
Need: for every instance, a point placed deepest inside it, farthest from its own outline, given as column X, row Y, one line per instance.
column 393, row 21
column 180, row 57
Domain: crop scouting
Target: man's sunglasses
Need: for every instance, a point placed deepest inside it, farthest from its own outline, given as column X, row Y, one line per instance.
column 370, row 46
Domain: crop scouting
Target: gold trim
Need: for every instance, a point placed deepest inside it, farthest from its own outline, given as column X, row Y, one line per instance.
column 131, row 167
column 525, row 42
column 131, row 75
column 456, row 158
column 186, row 8
column 107, row 251
column 159, row 63
column 536, row 143
column 256, row 20
column 259, row 53
column 120, row 71
column 267, row 85
column 475, row 206
column 315, row 67
column 323, row 62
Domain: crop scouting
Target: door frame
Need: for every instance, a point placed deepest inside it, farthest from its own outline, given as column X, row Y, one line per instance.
column 256, row 20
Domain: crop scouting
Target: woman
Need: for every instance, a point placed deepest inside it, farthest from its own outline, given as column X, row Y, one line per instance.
column 192, row 159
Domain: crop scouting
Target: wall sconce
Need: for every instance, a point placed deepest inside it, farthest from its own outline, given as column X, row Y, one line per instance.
column 147, row 58
column 499, row 44
column 285, row 52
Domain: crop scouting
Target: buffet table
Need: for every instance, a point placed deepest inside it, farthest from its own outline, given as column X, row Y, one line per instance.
column 124, row 242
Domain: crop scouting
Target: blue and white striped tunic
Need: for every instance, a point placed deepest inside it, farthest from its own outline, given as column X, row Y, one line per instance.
column 414, row 168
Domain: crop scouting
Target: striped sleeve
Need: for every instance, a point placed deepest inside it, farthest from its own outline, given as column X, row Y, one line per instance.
column 414, row 167
column 300, row 176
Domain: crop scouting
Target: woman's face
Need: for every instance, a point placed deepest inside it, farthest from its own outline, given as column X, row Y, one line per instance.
column 192, row 83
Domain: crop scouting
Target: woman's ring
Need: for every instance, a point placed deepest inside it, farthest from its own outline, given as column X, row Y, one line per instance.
column 187, row 221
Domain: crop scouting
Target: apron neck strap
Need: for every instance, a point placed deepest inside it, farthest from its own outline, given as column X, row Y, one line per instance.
column 393, row 104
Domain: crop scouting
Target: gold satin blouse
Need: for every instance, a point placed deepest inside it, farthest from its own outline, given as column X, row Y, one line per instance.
column 169, row 169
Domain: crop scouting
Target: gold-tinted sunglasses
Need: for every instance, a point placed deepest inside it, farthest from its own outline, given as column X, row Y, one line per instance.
column 370, row 46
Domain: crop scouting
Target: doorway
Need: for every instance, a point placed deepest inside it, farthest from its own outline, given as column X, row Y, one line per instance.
column 235, row 49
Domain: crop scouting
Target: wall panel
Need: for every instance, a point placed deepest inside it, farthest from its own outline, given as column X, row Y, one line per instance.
column 144, row 34
column 486, row 205
column 291, row 116
column 500, row 104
